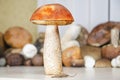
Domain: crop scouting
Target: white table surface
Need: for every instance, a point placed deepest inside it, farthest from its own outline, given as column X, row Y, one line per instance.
column 37, row 73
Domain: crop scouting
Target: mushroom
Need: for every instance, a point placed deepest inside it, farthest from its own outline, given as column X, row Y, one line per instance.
column 89, row 62
column 40, row 41
column 92, row 51
column 2, row 61
column 52, row 15
column 29, row 51
column 115, row 62
column 78, row 62
column 75, row 34
column 70, row 44
column 71, row 33
column 28, row 62
column 17, row 37
column 14, row 59
column 100, row 35
column 37, row 60
column 103, row 63
column 2, row 44
column 71, row 54
column 112, row 50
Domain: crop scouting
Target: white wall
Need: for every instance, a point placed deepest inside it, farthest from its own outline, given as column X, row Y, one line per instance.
column 88, row 13
column 98, row 12
column 115, row 10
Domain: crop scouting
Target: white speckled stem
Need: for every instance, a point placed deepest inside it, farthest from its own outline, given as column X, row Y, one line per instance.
column 52, row 51
column 115, row 37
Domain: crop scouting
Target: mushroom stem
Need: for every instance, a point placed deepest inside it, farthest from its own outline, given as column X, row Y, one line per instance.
column 115, row 37
column 52, row 51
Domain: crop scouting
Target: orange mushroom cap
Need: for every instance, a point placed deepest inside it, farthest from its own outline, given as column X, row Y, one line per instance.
column 52, row 14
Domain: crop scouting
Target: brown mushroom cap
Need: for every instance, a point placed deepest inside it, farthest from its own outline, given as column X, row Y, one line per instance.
column 17, row 37
column 110, row 52
column 100, row 35
column 52, row 14
column 70, row 54
column 14, row 59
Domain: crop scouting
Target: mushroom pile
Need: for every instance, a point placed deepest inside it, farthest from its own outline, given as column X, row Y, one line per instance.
column 100, row 37
column 97, row 52
column 72, row 40
column 18, row 49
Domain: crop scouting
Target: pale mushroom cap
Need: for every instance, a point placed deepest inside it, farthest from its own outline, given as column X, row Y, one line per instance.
column 52, row 14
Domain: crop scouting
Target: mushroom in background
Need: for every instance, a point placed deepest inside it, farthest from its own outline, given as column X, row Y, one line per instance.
column 100, row 35
column 12, row 51
column 17, row 37
column 28, row 62
column 1, row 51
column 40, row 41
column 71, row 33
column 92, row 51
column 78, row 63
column 112, row 50
column 2, row 61
column 83, row 36
column 70, row 44
column 89, row 62
column 2, row 45
column 37, row 60
column 29, row 51
column 103, row 63
column 71, row 56
column 14, row 59
column 52, row 15
column 115, row 62
column 75, row 35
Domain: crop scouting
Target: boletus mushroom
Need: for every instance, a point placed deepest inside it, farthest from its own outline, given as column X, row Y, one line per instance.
column 52, row 15
column 100, row 35
column 17, row 37
column 71, row 56
column 112, row 50
column 103, row 63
